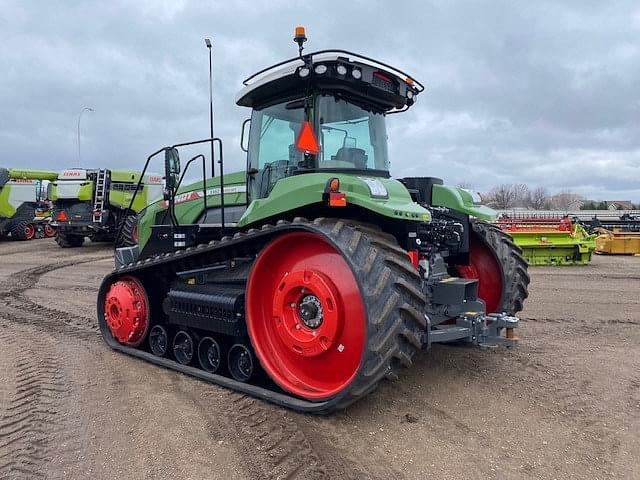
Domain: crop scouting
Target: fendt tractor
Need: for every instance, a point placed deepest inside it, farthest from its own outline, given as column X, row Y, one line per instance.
column 97, row 204
column 24, row 207
column 312, row 276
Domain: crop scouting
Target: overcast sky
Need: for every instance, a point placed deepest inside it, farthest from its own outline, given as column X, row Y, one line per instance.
column 533, row 92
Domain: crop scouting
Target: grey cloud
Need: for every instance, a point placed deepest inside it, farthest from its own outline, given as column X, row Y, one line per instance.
column 536, row 92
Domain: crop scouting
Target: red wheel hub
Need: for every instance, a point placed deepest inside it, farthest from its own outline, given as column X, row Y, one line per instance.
column 305, row 316
column 484, row 267
column 49, row 231
column 29, row 231
column 126, row 310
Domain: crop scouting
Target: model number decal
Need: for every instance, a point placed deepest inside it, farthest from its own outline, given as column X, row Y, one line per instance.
column 189, row 196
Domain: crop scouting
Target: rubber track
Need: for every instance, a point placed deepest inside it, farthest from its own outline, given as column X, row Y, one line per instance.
column 389, row 284
column 22, row 218
column 515, row 278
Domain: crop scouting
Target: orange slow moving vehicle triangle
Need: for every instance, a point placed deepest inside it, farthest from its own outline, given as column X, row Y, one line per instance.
column 307, row 141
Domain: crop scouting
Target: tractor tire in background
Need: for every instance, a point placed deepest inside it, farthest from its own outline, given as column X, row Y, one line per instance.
column 69, row 241
column 498, row 265
column 22, row 229
column 129, row 234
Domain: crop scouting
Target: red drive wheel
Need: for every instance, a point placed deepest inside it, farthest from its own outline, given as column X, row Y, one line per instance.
column 305, row 316
column 126, row 311
column 29, row 231
column 49, row 231
column 484, row 266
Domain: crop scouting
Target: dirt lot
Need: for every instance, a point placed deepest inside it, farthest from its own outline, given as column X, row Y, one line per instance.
column 565, row 404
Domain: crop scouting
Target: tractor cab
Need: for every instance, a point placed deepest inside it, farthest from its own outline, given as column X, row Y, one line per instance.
column 321, row 112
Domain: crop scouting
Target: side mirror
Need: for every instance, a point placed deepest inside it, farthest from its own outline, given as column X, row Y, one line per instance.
column 171, row 167
column 242, row 140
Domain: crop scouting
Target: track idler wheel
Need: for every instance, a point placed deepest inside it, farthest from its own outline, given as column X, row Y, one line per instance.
column 240, row 362
column 126, row 311
column 183, row 347
column 158, row 341
column 209, row 354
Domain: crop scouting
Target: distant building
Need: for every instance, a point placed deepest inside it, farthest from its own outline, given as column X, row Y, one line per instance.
column 619, row 205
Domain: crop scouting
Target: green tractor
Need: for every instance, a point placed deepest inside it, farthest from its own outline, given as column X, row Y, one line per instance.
column 97, row 204
column 313, row 275
column 24, row 206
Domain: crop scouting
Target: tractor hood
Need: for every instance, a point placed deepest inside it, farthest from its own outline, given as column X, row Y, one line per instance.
column 383, row 196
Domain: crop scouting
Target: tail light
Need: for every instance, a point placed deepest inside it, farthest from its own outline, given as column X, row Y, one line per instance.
column 62, row 216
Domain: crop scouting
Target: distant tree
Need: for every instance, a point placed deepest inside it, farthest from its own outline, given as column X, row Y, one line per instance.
column 538, row 198
column 603, row 206
column 502, row 197
column 589, row 205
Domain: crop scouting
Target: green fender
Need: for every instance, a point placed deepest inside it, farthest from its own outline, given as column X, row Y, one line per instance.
column 462, row 201
column 384, row 196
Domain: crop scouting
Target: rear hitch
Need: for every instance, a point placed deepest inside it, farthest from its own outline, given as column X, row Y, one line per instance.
column 477, row 328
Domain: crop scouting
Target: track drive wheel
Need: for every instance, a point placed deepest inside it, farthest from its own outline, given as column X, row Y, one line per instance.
column 497, row 262
column 127, row 312
column 330, row 316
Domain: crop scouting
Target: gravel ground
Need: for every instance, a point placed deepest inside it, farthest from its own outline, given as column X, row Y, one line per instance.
column 564, row 404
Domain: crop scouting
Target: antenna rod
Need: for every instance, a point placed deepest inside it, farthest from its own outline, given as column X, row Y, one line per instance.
column 213, row 168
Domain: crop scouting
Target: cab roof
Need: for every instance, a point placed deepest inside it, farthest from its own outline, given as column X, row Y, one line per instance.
column 363, row 80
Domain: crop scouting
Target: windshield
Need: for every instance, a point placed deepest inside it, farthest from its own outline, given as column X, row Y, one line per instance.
column 350, row 137
column 272, row 150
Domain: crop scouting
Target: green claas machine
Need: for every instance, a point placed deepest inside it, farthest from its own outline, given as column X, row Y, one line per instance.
column 24, row 207
column 549, row 239
column 97, row 204
column 313, row 275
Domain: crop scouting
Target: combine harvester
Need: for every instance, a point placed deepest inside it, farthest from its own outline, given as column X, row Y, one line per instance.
column 24, row 211
column 97, row 203
column 548, row 238
column 313, row 275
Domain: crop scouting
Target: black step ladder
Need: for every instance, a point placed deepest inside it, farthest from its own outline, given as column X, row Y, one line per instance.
column 102, row 181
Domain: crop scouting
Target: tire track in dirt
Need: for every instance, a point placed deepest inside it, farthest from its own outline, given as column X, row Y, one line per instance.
column 23, row 280
column 277, row 446
column 273, row 443
column 29, row 420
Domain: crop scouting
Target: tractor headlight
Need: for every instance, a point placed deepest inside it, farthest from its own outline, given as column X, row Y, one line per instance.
column 303, row 72
column 320, row 69
column 341, row 69
column 356, row 73
column 409, row 94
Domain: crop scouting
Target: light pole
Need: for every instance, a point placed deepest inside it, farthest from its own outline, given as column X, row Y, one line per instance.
column 207, row 42
column 79, row 117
